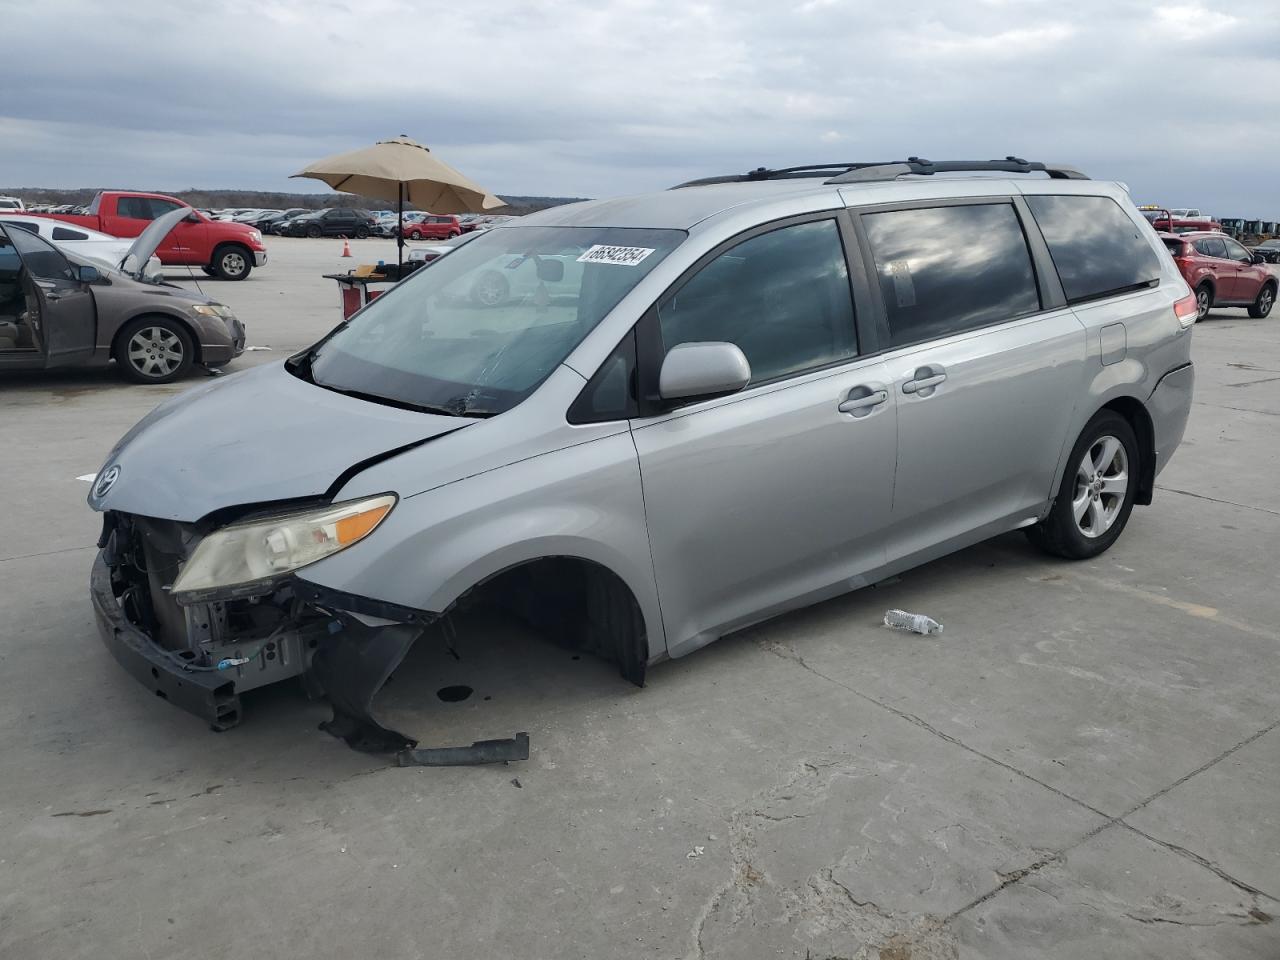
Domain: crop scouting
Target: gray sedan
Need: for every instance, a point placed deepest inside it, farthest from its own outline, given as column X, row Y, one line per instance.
column 60, row 309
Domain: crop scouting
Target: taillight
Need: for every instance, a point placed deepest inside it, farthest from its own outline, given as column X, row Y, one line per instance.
column 1186, row 310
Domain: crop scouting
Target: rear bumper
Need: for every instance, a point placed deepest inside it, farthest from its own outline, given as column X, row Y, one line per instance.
column 1169, row 406
column 210, row 696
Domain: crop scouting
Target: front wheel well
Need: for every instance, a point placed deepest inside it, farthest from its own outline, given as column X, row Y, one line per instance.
column 575, row 603
column 229, row 243
column 180, row 321
column 1136, row 414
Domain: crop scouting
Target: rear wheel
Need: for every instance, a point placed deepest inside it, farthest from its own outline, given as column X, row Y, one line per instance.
column 1204, row 300
column 154, row 350
column 232, row 263
column 1266, row 300
column 1097, row 491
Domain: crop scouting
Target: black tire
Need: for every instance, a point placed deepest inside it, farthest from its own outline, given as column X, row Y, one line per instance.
column 454, row 233
column 232, row 262
column 490, row 289
column 314, row 232
column 1060, row 533
column 415, row 235
column 144, row 362
column 1204, row 301
column 362, row 233
column 1266, row 300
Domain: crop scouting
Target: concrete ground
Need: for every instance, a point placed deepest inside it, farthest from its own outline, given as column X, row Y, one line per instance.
column 1084, row 764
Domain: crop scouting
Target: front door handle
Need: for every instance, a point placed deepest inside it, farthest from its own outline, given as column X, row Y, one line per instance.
column 923, row 381
column 857, row 404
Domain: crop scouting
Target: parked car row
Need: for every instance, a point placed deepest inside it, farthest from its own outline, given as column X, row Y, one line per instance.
column 226, row 250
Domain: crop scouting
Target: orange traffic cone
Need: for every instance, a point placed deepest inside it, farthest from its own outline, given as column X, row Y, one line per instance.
column 346, row 247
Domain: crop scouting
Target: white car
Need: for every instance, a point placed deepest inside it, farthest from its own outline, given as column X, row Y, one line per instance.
column 88, row 243
column 11, row 203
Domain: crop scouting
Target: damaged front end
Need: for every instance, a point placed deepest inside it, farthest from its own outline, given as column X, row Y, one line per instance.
column 200, row 651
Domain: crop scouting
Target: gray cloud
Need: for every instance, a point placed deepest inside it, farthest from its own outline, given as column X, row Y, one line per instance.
column 1175, row 97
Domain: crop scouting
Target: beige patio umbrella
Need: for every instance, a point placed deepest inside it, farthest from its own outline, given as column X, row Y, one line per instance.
column 401, row 169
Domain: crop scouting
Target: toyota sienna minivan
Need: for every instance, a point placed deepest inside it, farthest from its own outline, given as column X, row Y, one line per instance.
column 706, row 407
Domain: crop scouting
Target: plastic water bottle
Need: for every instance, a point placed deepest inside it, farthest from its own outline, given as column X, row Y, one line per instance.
column 914, row 622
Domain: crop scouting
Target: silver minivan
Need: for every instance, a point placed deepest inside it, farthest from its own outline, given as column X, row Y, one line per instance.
column 684, row 413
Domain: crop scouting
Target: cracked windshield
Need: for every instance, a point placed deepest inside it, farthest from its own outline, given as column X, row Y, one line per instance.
column 476, row 332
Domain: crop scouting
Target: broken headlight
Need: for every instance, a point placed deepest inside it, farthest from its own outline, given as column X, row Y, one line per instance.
column 259, row 551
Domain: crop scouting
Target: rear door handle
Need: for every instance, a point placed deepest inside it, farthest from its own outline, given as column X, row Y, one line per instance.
column 921, row 384
column 865, row 402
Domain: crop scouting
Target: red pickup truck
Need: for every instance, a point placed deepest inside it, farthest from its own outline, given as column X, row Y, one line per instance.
column 221, row 249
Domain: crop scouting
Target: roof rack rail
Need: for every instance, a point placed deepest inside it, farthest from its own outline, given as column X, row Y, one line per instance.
column 917, row 165
column 890, row 170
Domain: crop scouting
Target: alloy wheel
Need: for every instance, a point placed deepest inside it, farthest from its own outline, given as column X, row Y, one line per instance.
column 1202, row 303
column 1102, row 480
column 1266, row 300
column 155, row 352
column 233, row 264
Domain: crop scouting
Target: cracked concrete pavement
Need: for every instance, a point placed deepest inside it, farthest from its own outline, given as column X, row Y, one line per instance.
column 1084, row 763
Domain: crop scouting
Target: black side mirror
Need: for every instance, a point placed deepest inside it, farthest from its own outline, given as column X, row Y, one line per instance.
column 1259, row 258
column 89, row 274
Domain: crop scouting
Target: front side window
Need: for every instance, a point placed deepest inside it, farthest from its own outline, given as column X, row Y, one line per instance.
column 41, row 257
column 782, row 297
column 943, row 270
column 1096, row 248
column 1236, row 252
column 478, row 330
column 160, row 207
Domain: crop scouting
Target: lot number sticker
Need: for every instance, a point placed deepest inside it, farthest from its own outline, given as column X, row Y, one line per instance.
column 620, row 256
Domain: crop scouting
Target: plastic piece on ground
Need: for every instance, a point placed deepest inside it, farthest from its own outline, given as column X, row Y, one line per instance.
column 913, row 622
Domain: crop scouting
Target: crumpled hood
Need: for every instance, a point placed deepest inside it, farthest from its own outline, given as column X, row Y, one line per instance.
column 255, row 437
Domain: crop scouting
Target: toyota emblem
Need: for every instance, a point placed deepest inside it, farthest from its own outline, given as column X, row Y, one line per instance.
column 105, row 481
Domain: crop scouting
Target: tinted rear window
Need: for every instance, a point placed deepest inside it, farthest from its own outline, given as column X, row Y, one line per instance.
column 943, row 270
column 1175, row 246
column 1097, row 249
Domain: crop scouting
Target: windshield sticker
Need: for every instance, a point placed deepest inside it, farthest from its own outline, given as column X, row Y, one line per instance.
column 621, row 256
column 903, row 289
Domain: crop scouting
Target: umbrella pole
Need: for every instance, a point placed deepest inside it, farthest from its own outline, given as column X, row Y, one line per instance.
column 400, row 232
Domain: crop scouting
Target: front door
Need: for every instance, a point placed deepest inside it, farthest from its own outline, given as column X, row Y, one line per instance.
column 778, row 495
column 63, row 321
column 1249, row 278
column 985, row 378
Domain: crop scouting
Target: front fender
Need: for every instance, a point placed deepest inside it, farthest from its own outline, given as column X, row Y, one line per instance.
column 582, row 501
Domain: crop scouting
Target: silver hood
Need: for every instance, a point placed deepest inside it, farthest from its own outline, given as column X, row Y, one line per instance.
column 135, row 261
column 252, row 438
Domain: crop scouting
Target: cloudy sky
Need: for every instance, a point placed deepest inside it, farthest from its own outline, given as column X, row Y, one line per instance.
column 1178, row 98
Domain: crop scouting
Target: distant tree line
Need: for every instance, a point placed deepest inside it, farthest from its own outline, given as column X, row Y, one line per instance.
column 267, row 200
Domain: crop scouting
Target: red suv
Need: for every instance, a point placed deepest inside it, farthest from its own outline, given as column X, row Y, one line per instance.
column 1222, row 272
column 433, row 226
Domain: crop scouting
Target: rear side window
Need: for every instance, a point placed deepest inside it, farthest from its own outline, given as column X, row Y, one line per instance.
column 1097, row 249
column 1211, row 247
column 943, row 270
column 782, row 297
column 66, row 233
